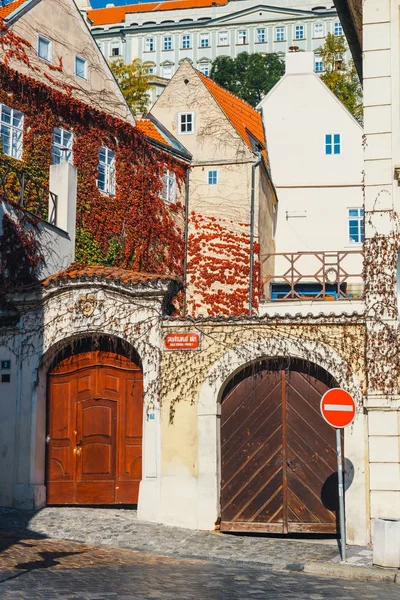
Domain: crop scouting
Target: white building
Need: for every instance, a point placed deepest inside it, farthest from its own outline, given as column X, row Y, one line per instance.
column 316, row 186
column 166, row 33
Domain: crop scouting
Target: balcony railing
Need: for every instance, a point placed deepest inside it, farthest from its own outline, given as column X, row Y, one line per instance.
column 16, row 186
column 312, row 276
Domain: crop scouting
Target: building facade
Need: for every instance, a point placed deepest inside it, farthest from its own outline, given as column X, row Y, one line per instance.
column 164, row 34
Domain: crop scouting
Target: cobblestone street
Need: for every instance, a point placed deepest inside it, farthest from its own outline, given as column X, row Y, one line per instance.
column 41, row 569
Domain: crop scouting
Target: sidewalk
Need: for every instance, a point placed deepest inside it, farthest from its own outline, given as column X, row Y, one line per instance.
column 120, row 528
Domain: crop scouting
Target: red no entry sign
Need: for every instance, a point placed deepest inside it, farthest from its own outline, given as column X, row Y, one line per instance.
column 338, row 408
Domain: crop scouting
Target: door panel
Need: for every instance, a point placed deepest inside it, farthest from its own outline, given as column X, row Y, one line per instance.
column 95, row 413
column 277, row 455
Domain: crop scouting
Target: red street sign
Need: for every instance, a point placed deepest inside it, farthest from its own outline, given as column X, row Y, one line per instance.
column 182, row 341
column 338, row 408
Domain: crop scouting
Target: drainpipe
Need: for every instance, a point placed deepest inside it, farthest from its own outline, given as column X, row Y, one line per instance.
column 253, row 186
column 185, row 258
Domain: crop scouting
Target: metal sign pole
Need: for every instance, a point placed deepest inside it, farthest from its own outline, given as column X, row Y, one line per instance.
column 341, row 496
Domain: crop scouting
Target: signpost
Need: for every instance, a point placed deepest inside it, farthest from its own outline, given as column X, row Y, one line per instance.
column 339, row 409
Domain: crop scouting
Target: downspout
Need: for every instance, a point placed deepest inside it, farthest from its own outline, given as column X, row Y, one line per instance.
column 252, row 202
column 186, row 238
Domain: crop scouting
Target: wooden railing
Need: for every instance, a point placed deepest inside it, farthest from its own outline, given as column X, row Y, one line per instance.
column 312, row 275
column 17, row 187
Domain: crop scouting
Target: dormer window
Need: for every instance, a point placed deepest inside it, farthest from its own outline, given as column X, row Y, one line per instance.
column 80, row 67
column 106, row 171
column 62, row 146
column 11, row 131
column 44, row 48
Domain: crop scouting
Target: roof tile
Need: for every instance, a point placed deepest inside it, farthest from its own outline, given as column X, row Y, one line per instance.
column 9, row 8
column 151, row 131
column 117, row 14
column 77, row 271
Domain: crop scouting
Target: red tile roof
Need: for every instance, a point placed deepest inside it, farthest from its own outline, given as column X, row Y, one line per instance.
column 76, row 271
column 6, row 10
column 116, row 14
column 151, row 131
column 243, row 117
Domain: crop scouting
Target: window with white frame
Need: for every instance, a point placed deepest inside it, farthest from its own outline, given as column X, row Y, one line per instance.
column 149, row 45
column 319, row 65
column 44, row 48
column 356, row 225
column 80, row 67
column 205, row 68
column 333, row 143
column 337, row 28
column 223, row 38
column 318, row 30
column 242, row 36
column 212, row 177
column 61, row 150
column 167, row 71
column 11, row 131
column 168, row 191
column 186, row 122
column 261, row 36
column 204, row 40
column 167, row 43
column 186, row 41
column 106, row 171
column 299, row 32
column 151, row 69
column 115, row 49
column 280, row 34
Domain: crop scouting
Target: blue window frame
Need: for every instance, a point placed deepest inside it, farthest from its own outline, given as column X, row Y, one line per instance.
column 80, row 67
column 212, row 177
column 186, row 42
column 356, row 225
column 167, row 43
column 319, row 65
column 333, row 143
column 338, row 29
column 299, row 32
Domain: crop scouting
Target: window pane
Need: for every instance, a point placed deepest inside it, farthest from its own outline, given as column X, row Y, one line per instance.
column 44, row 48
column 80, row 67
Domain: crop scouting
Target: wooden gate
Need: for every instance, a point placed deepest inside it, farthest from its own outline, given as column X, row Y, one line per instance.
column 94, row 427
column 278, row 455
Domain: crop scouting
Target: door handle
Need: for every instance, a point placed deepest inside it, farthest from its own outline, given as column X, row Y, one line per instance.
column 79, row 444
column 290, row 465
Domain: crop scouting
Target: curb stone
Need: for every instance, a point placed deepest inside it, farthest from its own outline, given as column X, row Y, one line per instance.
column 351, row 572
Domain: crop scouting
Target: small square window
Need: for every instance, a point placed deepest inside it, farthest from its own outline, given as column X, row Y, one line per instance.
column 167, row 43
column 204, row 40
column 333, row 143
column 115, row 50
column 280, row 34
column 299, row 32
column 5, row 378
column 212, row 177
column 44, row 48
column 186, row 122
column 80, row 67
column 338, row 29
column 223, row 38
column 261, row 37
column 186, row 42
column 149, row 45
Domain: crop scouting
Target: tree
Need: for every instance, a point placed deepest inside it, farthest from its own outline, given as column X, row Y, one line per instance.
column 134, row 81
column 249, row 76
column 341, row 77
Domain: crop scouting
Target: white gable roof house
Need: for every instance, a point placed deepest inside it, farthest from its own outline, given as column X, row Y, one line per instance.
column 319, row 221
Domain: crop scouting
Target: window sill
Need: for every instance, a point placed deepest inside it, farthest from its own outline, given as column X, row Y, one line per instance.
column 255, row 43
column 148, row 51
column 242, row 44
column 186, row 48
column 169, row 50
column 222, row 45
column 299, row 40
column 204, row 47
column 279, row 41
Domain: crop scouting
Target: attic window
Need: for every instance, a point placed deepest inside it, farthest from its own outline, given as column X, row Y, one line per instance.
column 186, row 123
column 80, row 67
column 44, row 48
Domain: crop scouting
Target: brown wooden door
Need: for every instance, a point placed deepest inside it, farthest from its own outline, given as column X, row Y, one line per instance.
column 94, row 452
column 278, row 456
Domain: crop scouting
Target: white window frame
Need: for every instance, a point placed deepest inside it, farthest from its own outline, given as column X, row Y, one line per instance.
column 320, row 32
column 49, row 47
column 109, row 172
column 187, row 41
column 169, row 69
column 180, row 123
column 281, row 30
column 337, row 26
column 225, row 35
column 204, row 41
column 62, row 152
column 360, row 225
column 242, row 37
column 297, row 30
column 15, row 132
column 115, row 46
column 149, row 44
column 263, row 33
column 168, row 192
column 85, row 62
column 212, row 177
column 165, row 38
column 204, row 67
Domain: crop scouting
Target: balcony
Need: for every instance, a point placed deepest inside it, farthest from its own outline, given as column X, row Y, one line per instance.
column 311, row 279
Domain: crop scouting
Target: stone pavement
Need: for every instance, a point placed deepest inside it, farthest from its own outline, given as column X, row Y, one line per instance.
column 35, row 568
column 121, row 529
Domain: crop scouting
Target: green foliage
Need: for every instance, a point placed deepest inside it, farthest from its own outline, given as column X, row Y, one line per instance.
column 133, row 80
column 87, row 249
column 249, row 76
column 113, row 253
column 340, row 77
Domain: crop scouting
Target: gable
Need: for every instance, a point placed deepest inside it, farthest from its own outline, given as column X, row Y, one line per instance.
column 63, row 26
column 263, row 13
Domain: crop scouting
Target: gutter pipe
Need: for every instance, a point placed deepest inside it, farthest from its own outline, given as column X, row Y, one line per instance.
column 252, row 203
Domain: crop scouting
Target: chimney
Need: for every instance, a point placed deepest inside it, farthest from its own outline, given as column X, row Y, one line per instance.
column 299, row 62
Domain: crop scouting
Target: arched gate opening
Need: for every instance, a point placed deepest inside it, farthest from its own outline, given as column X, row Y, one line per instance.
column 278, row 455
column 94, row 424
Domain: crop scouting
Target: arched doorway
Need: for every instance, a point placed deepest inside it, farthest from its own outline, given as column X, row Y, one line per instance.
column 94, row 428
column 278, row 455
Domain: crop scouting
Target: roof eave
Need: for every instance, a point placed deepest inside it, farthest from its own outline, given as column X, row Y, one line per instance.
column 350, row 14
